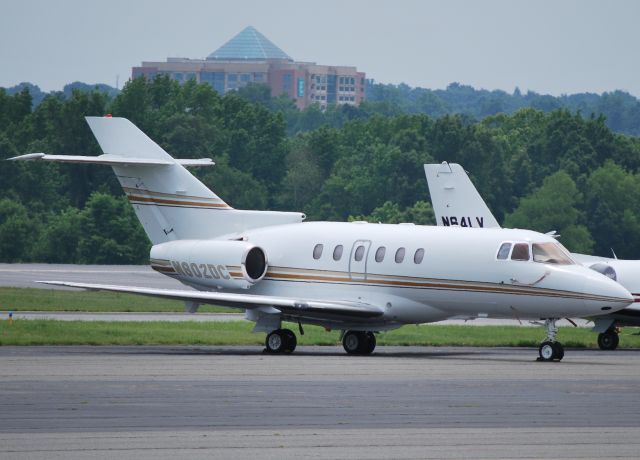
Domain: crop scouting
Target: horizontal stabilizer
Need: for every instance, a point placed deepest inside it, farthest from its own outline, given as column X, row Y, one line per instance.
column 290, row 306
column 111, row 160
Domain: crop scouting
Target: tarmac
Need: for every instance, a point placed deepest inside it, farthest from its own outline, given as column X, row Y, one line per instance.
column 236, row 402
column 26, row 275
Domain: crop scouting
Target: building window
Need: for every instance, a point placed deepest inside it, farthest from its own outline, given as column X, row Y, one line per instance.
column 287, row 83
column 317, row 251
column 232, row 77
column 245, row 77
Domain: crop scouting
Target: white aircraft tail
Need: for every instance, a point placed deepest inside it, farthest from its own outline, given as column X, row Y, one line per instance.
column 454, row 198
column 169, row 201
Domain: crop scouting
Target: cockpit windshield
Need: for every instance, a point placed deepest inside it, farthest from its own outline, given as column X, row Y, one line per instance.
column 551, row 253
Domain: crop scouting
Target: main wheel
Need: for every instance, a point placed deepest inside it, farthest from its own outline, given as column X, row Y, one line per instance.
column 608, row 340
column 370, row 343
column 358, row 342
column 290, row 339
column 352, row 342
column 558, row 351
column 276, row 341
column 547, row 351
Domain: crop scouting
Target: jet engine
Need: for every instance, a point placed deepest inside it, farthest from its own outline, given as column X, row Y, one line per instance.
column 217, row 263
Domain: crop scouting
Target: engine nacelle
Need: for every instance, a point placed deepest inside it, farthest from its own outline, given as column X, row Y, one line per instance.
column 224, row 264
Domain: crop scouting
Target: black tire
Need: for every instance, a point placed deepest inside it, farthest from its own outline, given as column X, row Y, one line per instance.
column 608, row 340
column 558, row 351
column 276, row 342
column 353, row 342
column 370, row 343
column 290, row 339
column 547, row 351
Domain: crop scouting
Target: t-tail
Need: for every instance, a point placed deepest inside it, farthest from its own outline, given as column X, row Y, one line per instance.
column 170, row 202
column 454, row 198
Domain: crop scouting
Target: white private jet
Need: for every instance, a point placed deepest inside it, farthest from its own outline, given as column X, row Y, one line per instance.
column 356, row 277
column 456, row 202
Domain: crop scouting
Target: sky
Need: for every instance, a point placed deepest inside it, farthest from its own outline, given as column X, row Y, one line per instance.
column 547, row 46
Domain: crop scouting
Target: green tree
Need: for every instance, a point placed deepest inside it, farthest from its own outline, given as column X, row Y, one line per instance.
column 60, row 238
column 613, row 209
column 17, row 232
column 111, row 233
column 421, row 213
column 554, row 206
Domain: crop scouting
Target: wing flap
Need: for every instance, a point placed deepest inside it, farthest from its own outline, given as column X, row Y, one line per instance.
column 290, row 306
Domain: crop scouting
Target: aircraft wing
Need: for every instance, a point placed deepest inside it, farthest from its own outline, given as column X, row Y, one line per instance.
column 288, row 305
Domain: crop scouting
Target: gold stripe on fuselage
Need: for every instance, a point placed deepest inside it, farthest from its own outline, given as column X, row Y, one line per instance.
column 322, row 276
column 138, row 191
column 162, row 202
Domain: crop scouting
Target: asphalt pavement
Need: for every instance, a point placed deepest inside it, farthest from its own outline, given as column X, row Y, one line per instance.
column 235, row 402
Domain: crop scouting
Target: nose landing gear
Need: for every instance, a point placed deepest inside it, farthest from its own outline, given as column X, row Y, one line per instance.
column 550, row 350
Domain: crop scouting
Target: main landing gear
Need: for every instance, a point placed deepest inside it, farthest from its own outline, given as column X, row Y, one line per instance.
column 609, row 339
column 281, row 341
column 550, row 350
column 359, row 342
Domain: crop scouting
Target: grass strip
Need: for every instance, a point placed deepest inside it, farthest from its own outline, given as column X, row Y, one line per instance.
column 33, row 299
column 51, row 332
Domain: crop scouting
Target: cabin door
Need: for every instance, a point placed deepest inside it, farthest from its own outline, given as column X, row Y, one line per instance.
column 358, row 260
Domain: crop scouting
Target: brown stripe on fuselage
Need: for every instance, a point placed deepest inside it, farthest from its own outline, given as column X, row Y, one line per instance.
column 137, row 191
column 160, row 268
column 159, row 201
column 421, row 283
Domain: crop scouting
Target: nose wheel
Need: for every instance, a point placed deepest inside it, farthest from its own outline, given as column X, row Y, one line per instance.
column 280, row 341
column 550, row 349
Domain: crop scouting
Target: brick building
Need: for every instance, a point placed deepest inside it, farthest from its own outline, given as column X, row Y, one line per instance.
column 250, row 57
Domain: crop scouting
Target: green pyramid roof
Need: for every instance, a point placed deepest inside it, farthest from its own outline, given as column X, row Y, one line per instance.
column 249, row 44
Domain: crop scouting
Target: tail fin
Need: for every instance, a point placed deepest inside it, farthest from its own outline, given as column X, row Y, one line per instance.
column 454, row 198
column 169, row 201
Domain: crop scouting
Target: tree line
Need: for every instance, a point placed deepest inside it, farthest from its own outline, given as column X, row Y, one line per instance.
column 559, row 170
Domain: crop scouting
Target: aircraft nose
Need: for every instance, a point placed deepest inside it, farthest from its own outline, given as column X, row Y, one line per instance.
column 605, row 295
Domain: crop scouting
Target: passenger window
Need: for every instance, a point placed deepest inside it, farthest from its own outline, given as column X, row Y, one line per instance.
column 337, row 252
column 503, row 252
column 418, row 256
column 359, row 253
column 317, row 251
column 399, row 255
column 380, row 253
column 520, row 251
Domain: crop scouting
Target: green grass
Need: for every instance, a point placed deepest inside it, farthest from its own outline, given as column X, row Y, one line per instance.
column 47, row 332
column 32, row 299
